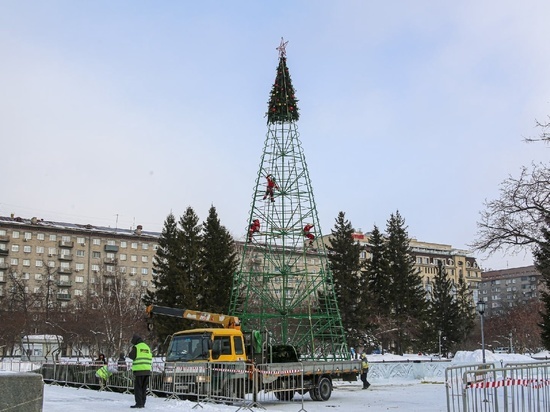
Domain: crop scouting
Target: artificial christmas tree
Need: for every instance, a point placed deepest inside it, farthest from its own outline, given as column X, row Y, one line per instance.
column 284, row 284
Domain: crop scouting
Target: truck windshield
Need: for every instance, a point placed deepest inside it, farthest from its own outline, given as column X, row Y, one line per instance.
column 184, row 348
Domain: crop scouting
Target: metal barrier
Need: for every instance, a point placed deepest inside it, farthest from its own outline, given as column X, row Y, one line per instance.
column 454, row 383
column 239, row 383
column 482, row 387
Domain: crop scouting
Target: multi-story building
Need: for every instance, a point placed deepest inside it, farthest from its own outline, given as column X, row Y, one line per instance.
column 72, row 255
column 506, row 288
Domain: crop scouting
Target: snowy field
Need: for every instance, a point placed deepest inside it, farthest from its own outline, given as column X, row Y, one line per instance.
column 413, row 396
column 427, row 395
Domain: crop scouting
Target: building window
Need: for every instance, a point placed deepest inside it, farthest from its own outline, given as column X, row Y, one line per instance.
column 109, row 268
column 53, row 238
column 111, row 255
column 144, row 259
column 38, row 276
column 77, row 292
column 40, row 236
column 133, row 271
column 26, row 262
column 15, row 234
column 81, row 241
column 95, row 268
column 3, row 232
column 79, row 266
column 27, row 249
column 80, row 253
column 111, row 243
column 122, row 269
column 123, row 244
column 134, row 245
column 123, row 256
column 79, row 279
column 65, row 238
column 14, row 261
column 144, row 283
column 145, row 246
column 133, row 258
column 144, row 271
column 26, row 276
column 40, row 249
column 96, row 255
column 96, row 242
column 15, row 248
column 28, row 235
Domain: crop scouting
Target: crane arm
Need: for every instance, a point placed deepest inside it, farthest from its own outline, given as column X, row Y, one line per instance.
column 227, row 321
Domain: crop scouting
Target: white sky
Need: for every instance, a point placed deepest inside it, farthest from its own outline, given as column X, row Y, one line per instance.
column 118, row 112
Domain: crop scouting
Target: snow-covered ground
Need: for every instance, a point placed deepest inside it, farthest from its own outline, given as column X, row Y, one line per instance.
column 412, row 396
column 427, row 395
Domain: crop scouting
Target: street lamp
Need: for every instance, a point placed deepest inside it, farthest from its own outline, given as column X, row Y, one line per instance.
column 481, row 310
column 439, row 332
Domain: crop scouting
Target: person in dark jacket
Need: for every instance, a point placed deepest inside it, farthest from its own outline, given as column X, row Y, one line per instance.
column 121, row 362
column 142, row 363
column 101, row 360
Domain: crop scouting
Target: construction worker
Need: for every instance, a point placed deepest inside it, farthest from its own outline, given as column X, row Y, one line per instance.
column 307, row 233
column 254, row 228
column 142, row 364
column 271, row 185
column 364, row 371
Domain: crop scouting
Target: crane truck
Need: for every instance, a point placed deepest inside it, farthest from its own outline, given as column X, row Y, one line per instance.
column 279, row 366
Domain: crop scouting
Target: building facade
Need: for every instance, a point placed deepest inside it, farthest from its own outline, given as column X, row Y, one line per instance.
column 71, row 256
column 506, row 288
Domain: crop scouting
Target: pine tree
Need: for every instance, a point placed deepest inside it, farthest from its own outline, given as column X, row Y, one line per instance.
column 220, row 262
column 408, row 302
column 346, row 266
column 378, row 281
column 466, row 309
column 542, row 264
column 166, row 275
column 443, row 312
column 190, row 285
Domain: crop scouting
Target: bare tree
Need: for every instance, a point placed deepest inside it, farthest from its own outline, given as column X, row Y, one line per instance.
column 544, row 135
column 513, row 221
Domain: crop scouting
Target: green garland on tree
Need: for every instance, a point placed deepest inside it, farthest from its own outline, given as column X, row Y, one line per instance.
column 282, row 102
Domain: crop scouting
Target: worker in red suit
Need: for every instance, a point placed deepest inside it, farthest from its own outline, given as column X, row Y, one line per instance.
column 254, row 227
column 271, row 185
column 308, row 234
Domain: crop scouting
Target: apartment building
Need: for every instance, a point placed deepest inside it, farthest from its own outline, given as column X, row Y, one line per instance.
column 71, row 255
column 506, row 288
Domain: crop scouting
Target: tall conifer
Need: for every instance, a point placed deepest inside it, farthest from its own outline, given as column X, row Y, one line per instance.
column 542, row 264
column 220, row 262
column 346, row 266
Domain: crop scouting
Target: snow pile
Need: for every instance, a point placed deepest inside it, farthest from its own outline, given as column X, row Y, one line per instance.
column 490, row 357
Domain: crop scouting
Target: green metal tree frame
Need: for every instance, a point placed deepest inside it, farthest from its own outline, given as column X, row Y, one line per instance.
column 284, row 284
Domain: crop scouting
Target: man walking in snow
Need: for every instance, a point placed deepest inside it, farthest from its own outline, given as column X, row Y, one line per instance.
column 364, row 371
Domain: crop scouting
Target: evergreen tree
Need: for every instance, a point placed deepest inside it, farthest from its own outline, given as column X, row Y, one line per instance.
column 443, row 313
column 190, row 285
column 466, row 309
column 346, row 266
column 542, row 264
column 220, row 262
column 166, row 274
column 408, row 303
column 378, row 281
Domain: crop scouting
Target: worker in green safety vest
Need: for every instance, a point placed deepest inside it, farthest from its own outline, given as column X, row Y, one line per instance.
column 142, row 363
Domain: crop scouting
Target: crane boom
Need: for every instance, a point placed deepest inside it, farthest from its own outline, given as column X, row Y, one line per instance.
column 227, row 321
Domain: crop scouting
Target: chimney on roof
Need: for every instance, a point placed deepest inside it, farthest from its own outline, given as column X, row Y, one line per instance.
column 12, row 215
column 34, row 220
column 138, row 230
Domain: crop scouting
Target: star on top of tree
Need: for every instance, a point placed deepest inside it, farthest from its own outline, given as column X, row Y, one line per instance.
column 282, row 48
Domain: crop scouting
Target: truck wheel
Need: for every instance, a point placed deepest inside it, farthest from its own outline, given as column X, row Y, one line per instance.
column 314, row 393
column 285, row 389
column 324, row 388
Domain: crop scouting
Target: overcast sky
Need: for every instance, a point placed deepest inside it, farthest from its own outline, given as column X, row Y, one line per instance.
column 119, row 112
